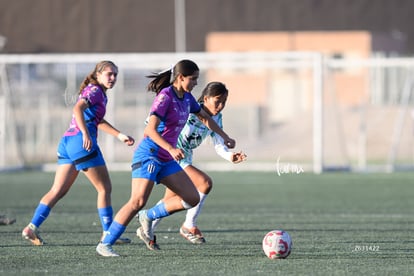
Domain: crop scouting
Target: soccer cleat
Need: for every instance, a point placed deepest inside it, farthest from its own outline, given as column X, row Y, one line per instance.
column 31, row 233
column 192, row 234
column 151, row 244
column 146, row 224
column 122, row 240
column 106, row 250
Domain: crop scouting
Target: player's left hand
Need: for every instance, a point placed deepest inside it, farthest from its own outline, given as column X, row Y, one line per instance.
column 126, row 139
column 130, row 141
column 238, row 157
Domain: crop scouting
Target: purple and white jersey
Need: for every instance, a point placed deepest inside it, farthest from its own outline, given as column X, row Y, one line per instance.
column 173, row 113
column 97, row 100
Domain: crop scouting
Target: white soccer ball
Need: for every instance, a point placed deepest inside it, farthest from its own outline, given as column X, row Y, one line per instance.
column 277, row 244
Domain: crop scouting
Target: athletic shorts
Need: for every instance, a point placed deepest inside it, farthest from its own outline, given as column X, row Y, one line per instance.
column 70, row 151
column 153, row 169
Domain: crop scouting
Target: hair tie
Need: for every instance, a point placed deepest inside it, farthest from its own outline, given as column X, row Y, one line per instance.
column 171, row 69
column 172, row 74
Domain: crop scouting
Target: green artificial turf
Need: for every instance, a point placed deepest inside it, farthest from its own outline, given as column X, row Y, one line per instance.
column 340, row 224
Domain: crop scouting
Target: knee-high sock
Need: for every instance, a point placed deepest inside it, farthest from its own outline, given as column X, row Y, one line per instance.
column 105, row 215
column 192, row 214
column 113, row 233
column 41, row 213
column 158, row 211
column 157, row 221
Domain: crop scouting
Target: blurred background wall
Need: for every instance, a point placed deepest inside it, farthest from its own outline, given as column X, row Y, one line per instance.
column 306, row 77
column 58, row 26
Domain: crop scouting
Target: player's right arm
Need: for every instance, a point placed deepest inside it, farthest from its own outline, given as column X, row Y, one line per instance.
column 78, row 110
column 211, row 124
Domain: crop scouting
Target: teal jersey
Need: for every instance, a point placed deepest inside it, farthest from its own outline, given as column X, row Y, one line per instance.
column 195, row 132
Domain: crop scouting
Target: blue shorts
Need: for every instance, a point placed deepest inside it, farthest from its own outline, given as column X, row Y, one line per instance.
column 153, row 169
column 70, row 151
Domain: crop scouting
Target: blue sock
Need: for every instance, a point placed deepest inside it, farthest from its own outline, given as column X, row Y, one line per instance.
column 113, row 233
column 105, row 215
column 158, row 211
column 41, row 213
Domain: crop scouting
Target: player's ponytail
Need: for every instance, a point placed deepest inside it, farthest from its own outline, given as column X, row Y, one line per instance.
column 160, row 81
column 167, row 77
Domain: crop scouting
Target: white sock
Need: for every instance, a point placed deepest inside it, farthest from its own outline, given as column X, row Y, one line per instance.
column 192, row 214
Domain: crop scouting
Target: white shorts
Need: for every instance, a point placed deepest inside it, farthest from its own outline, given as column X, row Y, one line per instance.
column 187, row 160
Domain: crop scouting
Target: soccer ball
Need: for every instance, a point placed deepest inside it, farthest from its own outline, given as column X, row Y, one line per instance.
column 277, row 244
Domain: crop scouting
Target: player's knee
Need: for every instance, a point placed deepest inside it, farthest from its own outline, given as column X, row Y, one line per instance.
column 56, row 194
column 137, row 204
column 208, row 183
column 104, row 191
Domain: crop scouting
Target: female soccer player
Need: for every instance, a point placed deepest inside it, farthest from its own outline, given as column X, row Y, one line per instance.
column 213, row 100
column 155, row 158
column 78, row 150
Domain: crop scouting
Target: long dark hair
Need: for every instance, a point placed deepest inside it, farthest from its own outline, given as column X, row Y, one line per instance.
column 213, row 89
column 91, row 77
column 165, row 78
